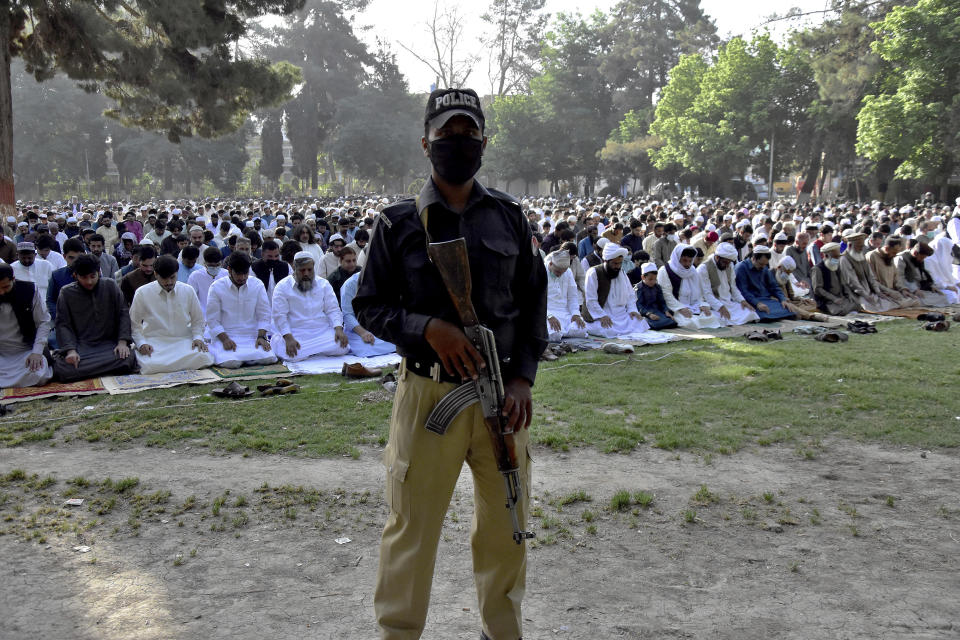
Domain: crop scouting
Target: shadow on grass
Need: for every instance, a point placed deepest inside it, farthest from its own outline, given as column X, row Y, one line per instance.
column 897, row 386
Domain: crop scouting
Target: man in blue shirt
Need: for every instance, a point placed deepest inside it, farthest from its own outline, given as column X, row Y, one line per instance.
column 585, row 247
column 72, row 249
column 633, row 241
column 188, row 263
column 759, row 287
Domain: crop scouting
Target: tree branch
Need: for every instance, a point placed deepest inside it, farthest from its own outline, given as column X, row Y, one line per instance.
column 818, row 11
column 420, row 58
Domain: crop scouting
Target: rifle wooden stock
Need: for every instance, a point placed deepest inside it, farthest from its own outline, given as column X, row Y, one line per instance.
column 451, row 261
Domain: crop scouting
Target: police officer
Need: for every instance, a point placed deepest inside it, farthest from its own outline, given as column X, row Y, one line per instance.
column 402, row 299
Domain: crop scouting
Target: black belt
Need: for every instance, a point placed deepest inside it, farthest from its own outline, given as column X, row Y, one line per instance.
column 432, row 370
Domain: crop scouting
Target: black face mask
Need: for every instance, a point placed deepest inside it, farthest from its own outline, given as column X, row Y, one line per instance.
column 456, row 159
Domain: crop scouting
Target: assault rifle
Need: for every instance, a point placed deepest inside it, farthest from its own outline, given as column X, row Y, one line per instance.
column 450, row 258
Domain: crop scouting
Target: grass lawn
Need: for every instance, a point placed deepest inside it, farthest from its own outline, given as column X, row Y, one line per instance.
column 900, row 386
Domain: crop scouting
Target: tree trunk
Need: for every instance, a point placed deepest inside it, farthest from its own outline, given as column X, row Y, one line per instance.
column 944, row 186
column 7, row 199
column 813, row 171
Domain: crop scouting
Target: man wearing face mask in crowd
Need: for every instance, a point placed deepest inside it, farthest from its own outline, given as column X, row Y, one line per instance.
column 201, row 279
column 403, row 300
column 270, row 269
column 831, row 293
column 663, row 247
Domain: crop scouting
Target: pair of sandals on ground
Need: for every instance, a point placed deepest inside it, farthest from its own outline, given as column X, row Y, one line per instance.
column 937, row 321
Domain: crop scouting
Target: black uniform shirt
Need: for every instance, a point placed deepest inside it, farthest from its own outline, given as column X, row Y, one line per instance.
column 400, row 290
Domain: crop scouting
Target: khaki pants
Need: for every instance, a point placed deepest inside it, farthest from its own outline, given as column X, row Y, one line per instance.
column 422, row 470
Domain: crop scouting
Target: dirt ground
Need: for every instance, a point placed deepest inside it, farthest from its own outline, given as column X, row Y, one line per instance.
column 778, row 546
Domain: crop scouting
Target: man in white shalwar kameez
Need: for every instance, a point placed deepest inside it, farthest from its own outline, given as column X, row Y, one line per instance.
column 167, row 323
column 24, row 329
column 720, row 290
column 201, row 279
column 32, row 268
column 563, row 299
column 940, row 268
column 684, row 291
column 616, row 316
column 363, row 344
column 238, row 317
column 306, row 315
column 953, row 231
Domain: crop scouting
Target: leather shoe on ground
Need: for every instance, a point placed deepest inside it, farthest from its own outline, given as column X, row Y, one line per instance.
column 357, row 370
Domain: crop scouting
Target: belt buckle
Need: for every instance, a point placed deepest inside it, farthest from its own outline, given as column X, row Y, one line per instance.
column 435, row 372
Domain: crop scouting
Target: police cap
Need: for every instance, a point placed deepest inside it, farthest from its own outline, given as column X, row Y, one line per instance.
column 443, row 104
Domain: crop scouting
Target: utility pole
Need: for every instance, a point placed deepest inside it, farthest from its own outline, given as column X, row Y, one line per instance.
column 770, row 181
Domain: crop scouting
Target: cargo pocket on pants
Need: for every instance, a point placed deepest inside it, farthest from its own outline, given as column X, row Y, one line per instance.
column 396, row 492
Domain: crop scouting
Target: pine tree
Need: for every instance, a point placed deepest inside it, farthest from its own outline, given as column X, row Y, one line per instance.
column 321, row 41
column 271, row 147
column 171, row 66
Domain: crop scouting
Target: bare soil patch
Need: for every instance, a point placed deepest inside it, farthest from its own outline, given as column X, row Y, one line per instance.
column 850, row 541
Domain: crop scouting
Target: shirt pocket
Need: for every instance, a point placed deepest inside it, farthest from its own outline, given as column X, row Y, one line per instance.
column 499, row 257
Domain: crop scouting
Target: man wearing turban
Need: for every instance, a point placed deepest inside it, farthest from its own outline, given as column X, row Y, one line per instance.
column 721, row 292
column 563, row 299
column 611, row 303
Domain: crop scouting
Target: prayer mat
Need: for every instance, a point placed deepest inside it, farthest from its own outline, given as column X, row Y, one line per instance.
column 321, row 364
column 252, row 373
column 866, row 317
column 585, row 344
column 908, row 313
column 89, row 387
column 133, row 383
column 912, row 313
column 726, row 332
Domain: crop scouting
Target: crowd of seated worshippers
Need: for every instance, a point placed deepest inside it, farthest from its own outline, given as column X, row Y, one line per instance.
column 94, row 290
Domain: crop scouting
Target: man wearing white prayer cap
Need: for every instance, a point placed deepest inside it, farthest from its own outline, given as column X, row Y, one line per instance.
column 803, row 308
column 611, row 304
column 721, row 292
column 563, row 299
column 306, row 315
column 778, row 249
column 330, row 261
column 685, row 291
column 831, row 293
column 759, row 288
column 31, row 268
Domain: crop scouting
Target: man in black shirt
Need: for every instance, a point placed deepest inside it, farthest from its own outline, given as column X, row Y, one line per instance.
column 402, row 299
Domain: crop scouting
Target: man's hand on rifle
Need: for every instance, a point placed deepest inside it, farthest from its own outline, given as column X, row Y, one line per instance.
column 457, row 354
column 517, row 404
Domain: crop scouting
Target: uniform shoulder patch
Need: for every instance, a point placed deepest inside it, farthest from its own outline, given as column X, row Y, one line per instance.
column 396, row 211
